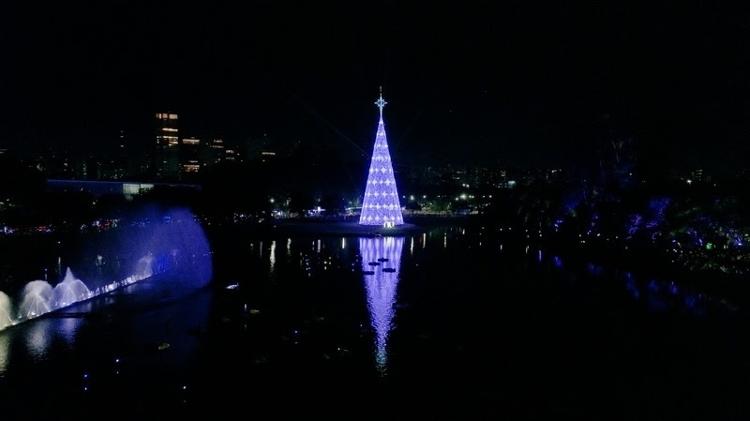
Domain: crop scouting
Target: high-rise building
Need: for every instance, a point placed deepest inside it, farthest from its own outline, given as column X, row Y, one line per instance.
column 190, row 156
column 231, row 154
column 213, row 152
column 267, row 156
column 697, row 175
column 381, row 205
column 260, row 149
column 167, row 153
column 127, row 158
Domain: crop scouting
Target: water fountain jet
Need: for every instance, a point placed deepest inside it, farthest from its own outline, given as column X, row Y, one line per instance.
column 37, row 297
column 70, row 290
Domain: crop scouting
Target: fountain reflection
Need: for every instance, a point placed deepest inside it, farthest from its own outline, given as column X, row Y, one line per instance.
column 38, row 336
column 5, row 309
column 4, row 353
column 380, row 284
column 68, row 328
column 272, row 257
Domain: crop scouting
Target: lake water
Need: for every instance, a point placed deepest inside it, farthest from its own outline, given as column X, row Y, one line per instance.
column 453, row 322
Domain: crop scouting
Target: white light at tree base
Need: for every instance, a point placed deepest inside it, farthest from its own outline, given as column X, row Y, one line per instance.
column 381, row 205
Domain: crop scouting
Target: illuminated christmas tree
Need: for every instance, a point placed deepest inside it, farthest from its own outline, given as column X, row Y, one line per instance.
column 381, row 205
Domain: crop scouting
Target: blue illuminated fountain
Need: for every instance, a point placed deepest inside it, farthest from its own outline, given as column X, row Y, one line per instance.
column 70, row 290
column 381, row 204
column 381, row 282
column 37, row 300
column 174, row 243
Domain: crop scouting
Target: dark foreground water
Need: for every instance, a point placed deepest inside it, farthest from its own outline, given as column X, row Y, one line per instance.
column 452, row 323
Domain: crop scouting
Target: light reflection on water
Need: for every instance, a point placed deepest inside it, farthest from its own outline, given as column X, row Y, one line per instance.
column 272, row 257
column 381, row 285
column 38, row 336
column 170, row 325
column 68, row 328
column 4, row 353
column 381, row 288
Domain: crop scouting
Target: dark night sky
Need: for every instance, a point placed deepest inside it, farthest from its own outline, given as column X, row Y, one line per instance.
column 513, row 83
